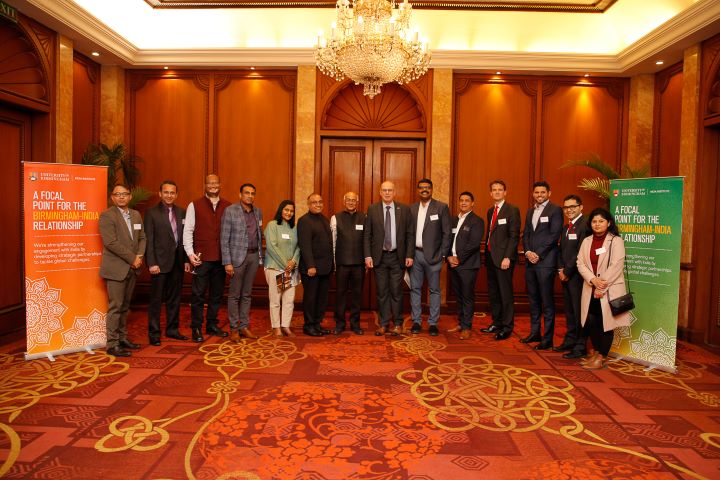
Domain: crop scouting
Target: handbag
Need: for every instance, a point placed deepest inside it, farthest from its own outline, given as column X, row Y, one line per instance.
column 623, row 303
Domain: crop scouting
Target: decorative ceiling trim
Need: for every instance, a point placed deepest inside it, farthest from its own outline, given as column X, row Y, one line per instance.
column 570, row 6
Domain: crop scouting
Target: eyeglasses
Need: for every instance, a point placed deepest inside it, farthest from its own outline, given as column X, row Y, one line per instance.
column 121, row 194
column 568, row 207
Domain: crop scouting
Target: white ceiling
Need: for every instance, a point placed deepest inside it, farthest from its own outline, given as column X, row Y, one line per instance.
column 627, row 39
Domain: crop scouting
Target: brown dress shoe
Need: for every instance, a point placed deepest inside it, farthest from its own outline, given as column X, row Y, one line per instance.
column 596, row 364
column 245, row 332
column 380, row 331
column 277, row 332
column 589, row 358
column 398, row 330
column 234, row 336
column 465, row 334
column 288, row 332
column 456, row 328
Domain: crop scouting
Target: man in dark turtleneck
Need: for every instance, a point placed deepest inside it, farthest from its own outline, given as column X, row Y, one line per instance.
column 316, row 263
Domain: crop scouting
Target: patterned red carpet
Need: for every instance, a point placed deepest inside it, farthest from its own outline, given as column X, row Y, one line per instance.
column 355, row 407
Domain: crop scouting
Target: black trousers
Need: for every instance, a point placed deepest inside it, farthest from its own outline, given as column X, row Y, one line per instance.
column 165, row 288
column 210, row 275
column 572, row 290
column 540, row 282
column 388, row 279
column 315, row 295
column 463, row 283
column 348, row 282
column 601, row 340
column 500, row 293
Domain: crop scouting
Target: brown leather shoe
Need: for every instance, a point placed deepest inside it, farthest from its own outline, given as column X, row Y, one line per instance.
column 234, row 336
column 456, row 328
column 288, row 332
column 380, row 331
column 596, row 363
column 464, row 334
column 589, row 358
column 398, row 330
column 245, row 332
column 277, row 332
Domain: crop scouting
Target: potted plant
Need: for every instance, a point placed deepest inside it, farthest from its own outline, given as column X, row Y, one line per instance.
column 601, row 185
column 122, row 168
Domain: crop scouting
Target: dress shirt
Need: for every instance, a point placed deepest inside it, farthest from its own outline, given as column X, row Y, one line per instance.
column 126, row 216
column 422, row 213
column 461, row 220
column 537, row 212
column 189, row 225
column 393, row 236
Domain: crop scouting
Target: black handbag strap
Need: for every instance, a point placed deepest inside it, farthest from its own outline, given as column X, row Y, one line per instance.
column 626, row 277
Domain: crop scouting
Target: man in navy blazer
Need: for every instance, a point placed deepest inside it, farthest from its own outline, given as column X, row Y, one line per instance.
column 166, row 261
column 543, row 225
column 463, row 257
column 432, row 239
column 389, row 248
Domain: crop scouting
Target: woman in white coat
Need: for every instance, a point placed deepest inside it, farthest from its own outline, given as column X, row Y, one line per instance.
column 601, row 262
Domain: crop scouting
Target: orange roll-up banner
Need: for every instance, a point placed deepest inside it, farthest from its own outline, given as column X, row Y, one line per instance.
column 65, row 297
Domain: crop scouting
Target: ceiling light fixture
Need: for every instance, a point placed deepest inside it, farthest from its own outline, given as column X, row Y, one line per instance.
column 165, row 68
column 586, row 75
column 659, row 62
column 372, row 44
column 95, row 54
column 498, row 73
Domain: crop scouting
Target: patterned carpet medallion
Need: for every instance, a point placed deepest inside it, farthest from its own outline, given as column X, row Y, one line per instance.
column 355, row 407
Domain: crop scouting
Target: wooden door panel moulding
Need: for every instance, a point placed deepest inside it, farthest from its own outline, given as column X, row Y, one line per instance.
column 666, row 121
column 370, row 134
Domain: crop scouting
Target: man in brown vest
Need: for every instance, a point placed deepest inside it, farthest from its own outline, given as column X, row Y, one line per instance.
column 201, row 238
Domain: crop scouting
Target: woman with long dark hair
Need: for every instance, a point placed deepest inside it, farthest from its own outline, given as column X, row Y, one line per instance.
column 601, row 262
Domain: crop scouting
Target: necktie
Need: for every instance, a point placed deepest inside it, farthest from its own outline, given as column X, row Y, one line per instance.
column 173, row 224
column 387, row 243
column 492, row 225
column 571, row 228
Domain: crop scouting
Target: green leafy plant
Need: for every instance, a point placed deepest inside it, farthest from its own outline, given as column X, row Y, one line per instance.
column 601, row 185
column 122, row 168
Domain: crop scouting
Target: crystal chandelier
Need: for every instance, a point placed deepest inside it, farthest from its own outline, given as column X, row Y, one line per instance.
column 371, row 43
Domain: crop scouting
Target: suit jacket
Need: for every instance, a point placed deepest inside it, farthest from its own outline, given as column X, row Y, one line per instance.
column 161, row 247
column 436, row 235
column 374, row 232
column 567, row 260
column 611, row 272
column 505, row 236
column 468, row 241
column 543, row 239
column 119, row 248
column 233, row 234
column 315, row 242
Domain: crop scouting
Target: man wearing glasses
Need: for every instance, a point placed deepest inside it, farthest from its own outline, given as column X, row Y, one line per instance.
column 572, row 236
column 123, row 237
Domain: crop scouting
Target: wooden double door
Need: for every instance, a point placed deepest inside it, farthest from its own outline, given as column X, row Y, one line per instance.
column 361, row 165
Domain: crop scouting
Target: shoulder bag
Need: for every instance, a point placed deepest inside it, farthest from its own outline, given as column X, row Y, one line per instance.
column 623, row 303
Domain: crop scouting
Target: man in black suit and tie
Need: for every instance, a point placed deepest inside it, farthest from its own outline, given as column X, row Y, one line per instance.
column 543, row 225
column 166, row 261
column 572, row 282
column 389, row 248
column 500, row 258
column 432, row 240
column 463, row 257
column 316, row 264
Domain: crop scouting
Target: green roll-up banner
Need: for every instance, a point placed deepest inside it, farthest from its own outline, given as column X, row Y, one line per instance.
column 648, row 212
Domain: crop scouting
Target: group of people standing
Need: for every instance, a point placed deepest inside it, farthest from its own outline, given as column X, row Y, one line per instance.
column 214, row 239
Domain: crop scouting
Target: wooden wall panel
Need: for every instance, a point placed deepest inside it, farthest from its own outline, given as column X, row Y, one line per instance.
column 86, row 105
column 346, row 166
column 668, row 110
column 254, row 138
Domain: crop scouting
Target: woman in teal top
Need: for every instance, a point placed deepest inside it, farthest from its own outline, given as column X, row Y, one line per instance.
column 281, row 256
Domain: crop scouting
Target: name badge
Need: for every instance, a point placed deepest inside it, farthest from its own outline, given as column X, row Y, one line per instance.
column 260, row 223
column 286, row 236
column 358, row 227
column 572, row 236
column 544, row 219
column 600, row 251
column 454, row 230
column 137, row 226
column 434, row 217
column 502, row 221
column 466, row 228
column 183, row 221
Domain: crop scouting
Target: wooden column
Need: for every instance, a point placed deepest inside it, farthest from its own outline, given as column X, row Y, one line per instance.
column 112, row 104
column 64, row 101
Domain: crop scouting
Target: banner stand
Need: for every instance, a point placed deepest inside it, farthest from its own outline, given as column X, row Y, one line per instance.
column 649, row 366
column 51, row 355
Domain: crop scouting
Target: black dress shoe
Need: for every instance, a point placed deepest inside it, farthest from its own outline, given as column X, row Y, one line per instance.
column 176, row 336
column 563, row 348
column 215, row 330
column 530, row 339
column 338, row 330
column 543, row 346
column 358, row 331
column 574, row 354
column 433, row 331
column 324, row 331
column 118, row 352
column 312, row 332
column 129, row 345
column 197, row 336
column 155, row 342
column 416, row 328
column 490, row 329
column 502, row 335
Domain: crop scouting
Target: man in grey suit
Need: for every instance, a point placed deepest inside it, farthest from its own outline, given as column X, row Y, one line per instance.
column 166, row 261
column 389, row 248
column 241, row 247
column 123, row 237
column 432, row 240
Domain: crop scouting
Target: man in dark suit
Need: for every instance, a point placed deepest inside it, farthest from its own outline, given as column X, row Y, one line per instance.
column 572, row 282
column 166, row 261
column 123, row 237
column 463, row 257
column 316, row 264
column 500, row 257
column 389, row 248
column 432, row 239
column 543, row 225
column 241, row 247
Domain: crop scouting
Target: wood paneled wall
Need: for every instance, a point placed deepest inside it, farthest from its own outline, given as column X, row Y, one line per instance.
column 86, row 105
column 667, row 115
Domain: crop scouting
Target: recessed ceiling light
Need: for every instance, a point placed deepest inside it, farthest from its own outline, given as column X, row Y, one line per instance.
column 498, row 73
column 165, row 68
column 659, row 62
column 252, row 68
column 95, row 54
column 586, row 75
